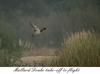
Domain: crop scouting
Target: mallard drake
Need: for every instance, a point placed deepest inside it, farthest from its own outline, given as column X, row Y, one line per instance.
column 37, row 30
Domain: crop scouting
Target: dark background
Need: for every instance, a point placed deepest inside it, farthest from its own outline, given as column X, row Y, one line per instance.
column 61, row 17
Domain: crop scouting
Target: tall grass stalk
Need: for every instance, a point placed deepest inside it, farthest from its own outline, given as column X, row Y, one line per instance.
column 80, row 49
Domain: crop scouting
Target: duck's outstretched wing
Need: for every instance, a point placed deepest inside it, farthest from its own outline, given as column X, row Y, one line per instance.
column 33, row 26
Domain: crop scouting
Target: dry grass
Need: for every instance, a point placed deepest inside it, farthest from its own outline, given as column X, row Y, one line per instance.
column 43, row 52
column 37, row 57
column 80, row 49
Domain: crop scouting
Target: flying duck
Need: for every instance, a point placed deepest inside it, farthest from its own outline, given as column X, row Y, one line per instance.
column 37, row 30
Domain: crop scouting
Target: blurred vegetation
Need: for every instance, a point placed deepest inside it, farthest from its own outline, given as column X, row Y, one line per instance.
column 9, row 47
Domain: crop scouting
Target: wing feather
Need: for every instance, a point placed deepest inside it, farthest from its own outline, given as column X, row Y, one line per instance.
column 34, row 26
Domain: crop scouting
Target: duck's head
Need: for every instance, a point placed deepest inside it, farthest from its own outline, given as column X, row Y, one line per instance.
column 43, row 29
